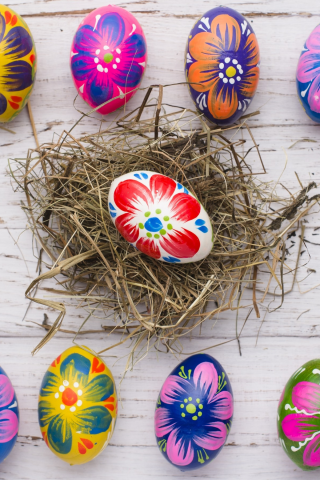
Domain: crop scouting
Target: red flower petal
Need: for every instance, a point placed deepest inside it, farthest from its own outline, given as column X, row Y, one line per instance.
column 250, row 82
column 97, row 366
column 162, row 187
column 81, row 448
column 32, row 58
column 8, row 16
column 87, row 443
column 14, row 20
column 132, row 196
column 222, row 104
column 109, row 406
column 149, row 247
column 56, row 361
column 15, row 106
column 15, row 98
column 128, row 230
column 184, row 207
column 183, row 244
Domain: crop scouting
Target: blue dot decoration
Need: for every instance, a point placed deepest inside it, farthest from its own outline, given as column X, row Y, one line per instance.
column 153, row 224
column 199, row 222
column 171, row 259
column 141, row 176
column 203, row 229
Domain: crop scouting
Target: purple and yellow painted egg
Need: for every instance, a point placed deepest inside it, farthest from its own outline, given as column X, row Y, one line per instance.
column 222, row 65
column 160, row 217
column 308, row 76
column 194, row 412
column 9, row 416
column 108, row 57
column 18, row 64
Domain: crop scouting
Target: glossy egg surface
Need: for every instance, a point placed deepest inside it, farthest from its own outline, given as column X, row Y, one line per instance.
column 108, row 57
column 194, row 412
column 299, row 416
column 160, row 217
column 222, row 65
column 77, row 406
column 308, row 76
column 18, row 63
column 9, row 416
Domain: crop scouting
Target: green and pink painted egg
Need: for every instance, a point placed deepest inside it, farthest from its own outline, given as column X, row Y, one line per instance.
column 160, row 217
column 299, row 416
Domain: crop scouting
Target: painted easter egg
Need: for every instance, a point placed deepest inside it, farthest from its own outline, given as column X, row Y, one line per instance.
column 194, row 412
column 108, row 57
column 222, row 65
column 308, row 76
column 299, row 416
column 160, row 217
column 9, row 416
column 77, row 406
column 18, row 64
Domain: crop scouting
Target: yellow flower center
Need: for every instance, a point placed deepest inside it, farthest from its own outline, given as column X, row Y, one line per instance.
column 231, row 71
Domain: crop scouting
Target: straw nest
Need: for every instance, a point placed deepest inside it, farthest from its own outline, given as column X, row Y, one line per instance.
column 153, row 303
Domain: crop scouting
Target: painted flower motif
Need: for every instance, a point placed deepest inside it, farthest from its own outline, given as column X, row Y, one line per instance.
column 17, row 62
column 304, row 425
column 74, row 407
column 105, row 61
column 225, row 67
column 9, row 422
column 155, row 218
column 192, row 415
column 309, row 70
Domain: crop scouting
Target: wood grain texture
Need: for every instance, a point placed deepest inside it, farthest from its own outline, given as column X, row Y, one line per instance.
column 287, row 338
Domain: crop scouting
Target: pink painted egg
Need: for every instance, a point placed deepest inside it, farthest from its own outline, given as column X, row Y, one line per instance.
column 160, row 217
column 108, row 57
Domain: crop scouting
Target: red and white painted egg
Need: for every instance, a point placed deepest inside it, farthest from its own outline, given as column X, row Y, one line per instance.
column 108, row 57
column 160, row 217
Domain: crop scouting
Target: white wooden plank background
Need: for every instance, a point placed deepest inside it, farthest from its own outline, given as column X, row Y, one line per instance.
column 286, row 339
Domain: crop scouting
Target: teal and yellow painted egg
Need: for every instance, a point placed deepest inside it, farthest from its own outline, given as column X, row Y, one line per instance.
column 299, row 416
column 18, row 64
column 194, row 412
column 222, row 65
column 77, row 406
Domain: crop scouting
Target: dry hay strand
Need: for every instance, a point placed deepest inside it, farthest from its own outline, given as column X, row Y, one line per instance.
column 154, row 303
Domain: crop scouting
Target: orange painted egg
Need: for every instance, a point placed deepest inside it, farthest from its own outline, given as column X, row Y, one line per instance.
column 222, row 65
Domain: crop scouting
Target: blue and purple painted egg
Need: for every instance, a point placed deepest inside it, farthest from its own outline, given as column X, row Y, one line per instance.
column 160, row 217
column 108, row 57
column 9, row 416
column 308, row 76
column 222, row 65
column 194, row 412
